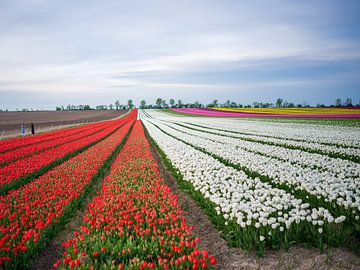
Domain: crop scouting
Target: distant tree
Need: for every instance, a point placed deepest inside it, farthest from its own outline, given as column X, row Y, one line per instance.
column 196, row 104
column 233, row 104
column 58, row 108
column 266, row 105
column 348, row 102
column 227, row 104
column 299, row 106
column 117, row 104
column 180, row 104
column 285, row 104
column 279, row 102
column 158, row 102
column 87, row 107
column 111, row 106
column 130, row 103
column 163, row 104
column 172, row 102
column 291, row 105
column 215, row 102
column 338, row 102
column 142, row 104
column 68, row 107
column 256, row 104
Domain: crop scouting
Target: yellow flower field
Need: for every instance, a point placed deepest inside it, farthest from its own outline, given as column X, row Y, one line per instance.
column 293, row 110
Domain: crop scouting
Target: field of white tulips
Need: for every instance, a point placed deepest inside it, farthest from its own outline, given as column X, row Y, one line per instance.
column 266, row 184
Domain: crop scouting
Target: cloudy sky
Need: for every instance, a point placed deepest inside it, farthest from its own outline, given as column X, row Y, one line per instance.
column 94, row 52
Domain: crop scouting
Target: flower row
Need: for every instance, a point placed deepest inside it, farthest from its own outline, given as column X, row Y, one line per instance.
column 11, row 144
column 253, row 213
column 135, row 222
column 339, row 189
column 316, row 135
column 338, row 167
column 31, row 149
column 25, row 166
column 29, row 215
column 343, row 140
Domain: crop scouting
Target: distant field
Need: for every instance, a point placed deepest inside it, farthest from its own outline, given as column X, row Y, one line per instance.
column 355, row 110
column 10, row 121
column 273, row 112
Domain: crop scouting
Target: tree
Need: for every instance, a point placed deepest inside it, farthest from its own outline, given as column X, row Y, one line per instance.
column 348, row 102
column 338, row 102
column 172, row 102
column 215, row 103
column 142, row 104
column 279, row 102
column 158, row 103
column 117, row 104
column 233, row 104
column 111, row 107
column 130, row 103
column 180, row 105
column 163, row 104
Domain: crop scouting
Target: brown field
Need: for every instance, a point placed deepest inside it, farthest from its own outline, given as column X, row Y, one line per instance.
column 47, row 120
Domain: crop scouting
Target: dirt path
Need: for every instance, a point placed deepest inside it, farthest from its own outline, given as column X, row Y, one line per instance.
column 235, row 259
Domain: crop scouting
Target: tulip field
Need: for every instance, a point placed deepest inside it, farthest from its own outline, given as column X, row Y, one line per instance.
column 352, row 112
column 262, row 184
column 134, row 222
column 266, row 184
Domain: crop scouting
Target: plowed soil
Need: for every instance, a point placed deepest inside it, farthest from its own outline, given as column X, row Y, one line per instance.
column 10, row 122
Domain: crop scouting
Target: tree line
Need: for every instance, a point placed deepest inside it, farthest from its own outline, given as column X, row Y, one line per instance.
column 115, row 106
column 279, row 103
column 161, row 103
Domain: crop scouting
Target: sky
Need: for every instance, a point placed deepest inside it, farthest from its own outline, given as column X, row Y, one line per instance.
column 55, row 53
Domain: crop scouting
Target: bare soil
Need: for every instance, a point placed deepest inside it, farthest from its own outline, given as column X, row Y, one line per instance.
column 45, row 120
column 296, row 257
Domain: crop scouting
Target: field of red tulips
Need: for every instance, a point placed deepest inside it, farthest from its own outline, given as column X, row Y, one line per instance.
column 32, row 214
column 24, row 170
column 31, row 149
column 135, row 222
column 7, row 145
